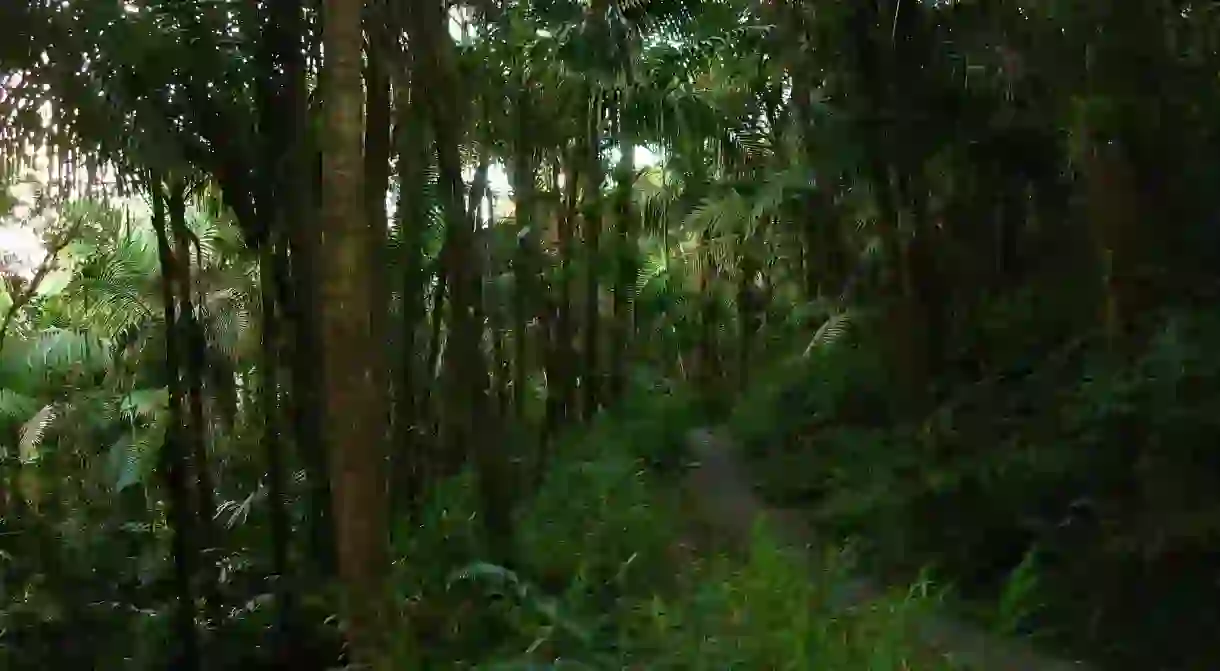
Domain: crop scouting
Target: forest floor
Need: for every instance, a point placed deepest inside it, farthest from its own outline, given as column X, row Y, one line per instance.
column 719, row 486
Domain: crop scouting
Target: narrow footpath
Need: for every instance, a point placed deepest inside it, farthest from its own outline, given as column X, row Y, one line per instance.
column 720, row 489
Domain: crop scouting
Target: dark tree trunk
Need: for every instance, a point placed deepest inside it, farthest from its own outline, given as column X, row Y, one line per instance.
column 195, row 439
column 467, row 417
column 175, row 460
column 625, row 243
column 407, row 461
column 590, row 375
column 376, row 185
column 523, row 267
column 565, row 332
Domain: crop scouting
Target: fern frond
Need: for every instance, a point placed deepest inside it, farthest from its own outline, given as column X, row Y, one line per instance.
column 30, row 436
column 832, row 331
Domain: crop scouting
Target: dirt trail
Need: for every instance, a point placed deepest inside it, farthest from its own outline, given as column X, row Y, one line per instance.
column 726, row 499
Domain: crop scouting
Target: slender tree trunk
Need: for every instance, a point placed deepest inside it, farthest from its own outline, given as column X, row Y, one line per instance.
column 292, row 160
column 874, row 62
column 412, row 162
column 468, row 420
column 565, row 351
column 592, row 217
column 748, row 312
column 523, row 268
column 273, row 448
column 377, row 184
column 553, row 297
column 624, row 327
column 353, row 428
column 196, row 441
column 707, row 321
column 279, row 197
column 428, row 403
column 175, row 460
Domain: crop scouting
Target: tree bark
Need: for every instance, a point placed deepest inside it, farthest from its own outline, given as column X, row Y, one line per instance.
column 353, row 424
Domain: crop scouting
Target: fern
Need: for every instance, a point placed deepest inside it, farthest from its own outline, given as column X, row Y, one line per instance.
column 832, row 331
column 30, row 436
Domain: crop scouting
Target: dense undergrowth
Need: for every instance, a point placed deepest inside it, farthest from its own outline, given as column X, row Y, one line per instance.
column 617, row 571
column 1067, row 494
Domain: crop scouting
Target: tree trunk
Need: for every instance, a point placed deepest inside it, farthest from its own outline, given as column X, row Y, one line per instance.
column 467, row 417
column 195, row 440
column 522, row 176
column 590, row 375
column 299, row 298
column 175, row 460
column 283, row 200
column 354, row 426
column 407, row 462
column 377, row 184
column 565, row 352
column 625, row 239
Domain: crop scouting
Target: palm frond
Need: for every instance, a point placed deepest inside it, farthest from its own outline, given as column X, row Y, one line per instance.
column 30, row 436
column 227, row 317
column 832, row 331
column 59, row 352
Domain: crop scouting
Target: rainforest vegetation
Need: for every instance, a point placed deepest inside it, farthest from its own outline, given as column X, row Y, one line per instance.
column 391, row 334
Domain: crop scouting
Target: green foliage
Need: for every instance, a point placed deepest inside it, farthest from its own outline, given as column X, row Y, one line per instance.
column 823, row 386
column 608, row 577
column 1017, row 602
column 897, row 222
column 1049, row 483
column 131, row 459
